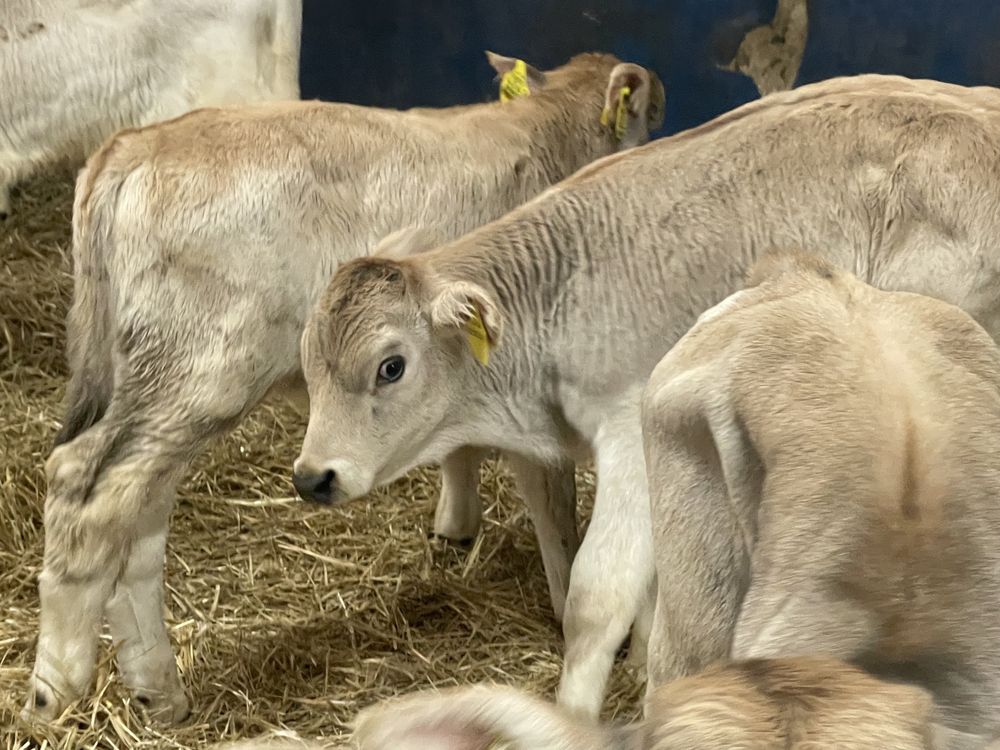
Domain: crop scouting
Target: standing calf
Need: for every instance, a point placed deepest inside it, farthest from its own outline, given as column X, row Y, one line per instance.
column 824, row 465
column 74, row 72
column 582, row 291
column 200, row 246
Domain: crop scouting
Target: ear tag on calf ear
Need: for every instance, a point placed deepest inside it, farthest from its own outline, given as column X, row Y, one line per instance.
column 479, row 340
column 621, row 113
column 514, row 82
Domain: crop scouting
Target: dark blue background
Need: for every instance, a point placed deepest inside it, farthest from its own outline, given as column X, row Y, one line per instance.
column 404, row 53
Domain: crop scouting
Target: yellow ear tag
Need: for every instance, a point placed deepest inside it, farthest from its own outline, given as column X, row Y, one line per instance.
column 479, row 340
column 621, row 113
column 514, row 82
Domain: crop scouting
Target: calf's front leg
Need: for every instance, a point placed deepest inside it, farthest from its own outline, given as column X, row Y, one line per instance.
column 459, row 510
column 613, row 570
column 550, row 494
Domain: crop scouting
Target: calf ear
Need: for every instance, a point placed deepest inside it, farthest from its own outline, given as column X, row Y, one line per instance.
column 517, row 78
column 468, row 308
column 407, row 241
column 633, row 104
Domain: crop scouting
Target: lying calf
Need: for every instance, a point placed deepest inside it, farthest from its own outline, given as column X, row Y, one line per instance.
column 824, row 464
column 801, row 704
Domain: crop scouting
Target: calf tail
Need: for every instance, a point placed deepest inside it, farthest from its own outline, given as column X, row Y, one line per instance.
column 89, row 325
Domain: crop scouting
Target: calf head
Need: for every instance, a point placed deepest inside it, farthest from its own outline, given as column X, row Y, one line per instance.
column 386, row 356
column 633, row 97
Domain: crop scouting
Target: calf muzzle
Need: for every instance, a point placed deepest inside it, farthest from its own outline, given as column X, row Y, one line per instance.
column 316, row 486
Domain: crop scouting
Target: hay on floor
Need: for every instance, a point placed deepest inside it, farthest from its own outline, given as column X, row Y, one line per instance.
column 282, row 615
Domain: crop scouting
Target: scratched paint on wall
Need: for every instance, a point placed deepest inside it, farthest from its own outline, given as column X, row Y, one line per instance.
column 404, row 53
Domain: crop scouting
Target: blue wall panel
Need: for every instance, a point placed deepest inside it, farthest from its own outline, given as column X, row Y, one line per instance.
column 404, row 53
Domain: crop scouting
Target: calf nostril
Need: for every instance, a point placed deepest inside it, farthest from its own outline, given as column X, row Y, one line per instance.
column 325, row 486
column 317, row 487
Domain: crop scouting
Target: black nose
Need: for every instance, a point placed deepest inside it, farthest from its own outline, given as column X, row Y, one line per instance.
column 316, row 487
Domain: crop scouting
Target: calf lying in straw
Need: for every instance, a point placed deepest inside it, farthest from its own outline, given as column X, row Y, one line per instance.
column 802, row 704
column 824, row 464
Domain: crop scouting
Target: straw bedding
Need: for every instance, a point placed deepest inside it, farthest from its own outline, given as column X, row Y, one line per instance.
column 282, row 615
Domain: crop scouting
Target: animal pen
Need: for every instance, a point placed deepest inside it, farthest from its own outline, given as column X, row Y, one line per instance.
column 285, row 615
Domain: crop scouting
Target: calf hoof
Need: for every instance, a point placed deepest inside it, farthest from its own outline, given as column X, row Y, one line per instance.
column 44, row 705
column 461, row 541
column 164, row 708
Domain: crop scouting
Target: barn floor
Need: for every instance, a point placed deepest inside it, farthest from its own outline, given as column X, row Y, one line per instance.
column 282, row 615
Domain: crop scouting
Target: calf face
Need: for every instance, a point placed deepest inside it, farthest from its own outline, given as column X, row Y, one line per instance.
column 384, row 357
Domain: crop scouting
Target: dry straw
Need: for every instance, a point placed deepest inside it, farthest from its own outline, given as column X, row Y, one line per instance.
column 283, row 616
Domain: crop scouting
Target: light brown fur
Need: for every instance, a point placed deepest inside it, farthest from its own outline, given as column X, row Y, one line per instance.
column 591, row 283
column 200, row 246
column 779, row 704
column 822, row 461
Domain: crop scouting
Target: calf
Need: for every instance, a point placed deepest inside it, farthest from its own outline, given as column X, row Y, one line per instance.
column 823, row 466
column 760, row 705
column 74, row 72
column 577, row 295
column 793, row 704
column 199, row 246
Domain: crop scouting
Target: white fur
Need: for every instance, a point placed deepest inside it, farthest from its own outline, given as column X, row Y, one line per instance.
column 74, row 72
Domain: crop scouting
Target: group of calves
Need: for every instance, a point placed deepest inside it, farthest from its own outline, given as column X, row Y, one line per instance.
column 796, row 512
column 867, row 423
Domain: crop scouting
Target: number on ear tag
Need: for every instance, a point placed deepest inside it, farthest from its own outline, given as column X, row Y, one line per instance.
column 621, row 113
column 479, row 340
column 514, row 82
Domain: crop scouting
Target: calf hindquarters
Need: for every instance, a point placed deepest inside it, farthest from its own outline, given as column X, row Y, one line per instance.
column 161, row 366
column 824, row 480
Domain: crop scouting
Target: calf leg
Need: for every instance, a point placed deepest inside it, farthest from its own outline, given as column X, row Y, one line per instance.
column 5, row 204
column 702, row 563
column 459, row 510
column 105, row 515
column 638, row 648
column 135, row 616
column 704, row 491
column 612, row 571
column 106, row 521
column 550, row 493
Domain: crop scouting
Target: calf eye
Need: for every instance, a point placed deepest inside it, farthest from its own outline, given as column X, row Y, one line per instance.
column 390, row 370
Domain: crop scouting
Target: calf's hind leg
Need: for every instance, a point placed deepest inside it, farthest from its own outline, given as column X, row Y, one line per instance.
column 143, row 653
column 106, row 514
